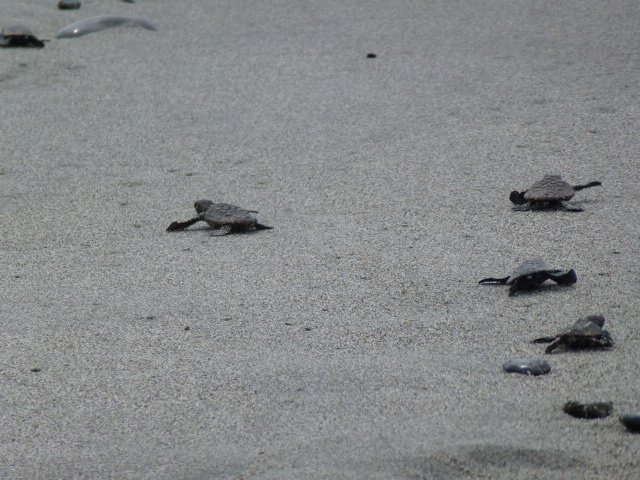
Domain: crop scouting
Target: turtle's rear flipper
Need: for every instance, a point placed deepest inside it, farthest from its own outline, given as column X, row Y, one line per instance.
column 543, row 340
column 586, row 185
column 497, row 281
column 222, row 231
column 568, row 277
column 175, row 226
column 259, row 226
column 605, row 340
column 567, row 207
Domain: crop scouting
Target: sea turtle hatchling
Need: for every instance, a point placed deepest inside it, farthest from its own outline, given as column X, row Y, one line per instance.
column 532, row 274
column 222, row 217
column 552, row 192
column 19, row 36
column 586, row 332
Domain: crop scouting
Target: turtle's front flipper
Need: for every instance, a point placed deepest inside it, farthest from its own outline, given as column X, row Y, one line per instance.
column 586, row 185
column 568, row 277
column 221, row 231
column 497, row 281
column 515, row 286
column 543, row 340
column 553, row 346
column 567, row 207
column 259, row 226
column 182, row 225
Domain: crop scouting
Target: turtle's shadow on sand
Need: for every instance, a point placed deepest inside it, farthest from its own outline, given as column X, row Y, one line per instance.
column 533, row 292
column 211, row 232
column 484, row 460
column 578, row 351
column 545, row 288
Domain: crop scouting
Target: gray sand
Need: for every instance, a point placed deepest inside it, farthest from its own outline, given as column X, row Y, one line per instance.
column 352, row 341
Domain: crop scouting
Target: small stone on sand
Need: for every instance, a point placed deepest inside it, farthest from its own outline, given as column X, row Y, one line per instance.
column 527, row 366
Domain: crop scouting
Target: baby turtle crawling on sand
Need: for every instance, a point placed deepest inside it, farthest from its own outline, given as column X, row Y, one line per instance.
column 532, row 274
column 552, row 192
column 19, row 36
column 222, row 217
column 584, row 333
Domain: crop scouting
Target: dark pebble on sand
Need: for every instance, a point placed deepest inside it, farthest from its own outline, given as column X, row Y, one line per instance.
column 371, row 55
column 527, row 366
column 588, row 410
column 36, row 370
column 68, row 4
column 187, row 328
column 631, row 421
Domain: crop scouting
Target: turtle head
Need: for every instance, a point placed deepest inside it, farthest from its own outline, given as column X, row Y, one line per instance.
column 202, row 205
column 517, row 197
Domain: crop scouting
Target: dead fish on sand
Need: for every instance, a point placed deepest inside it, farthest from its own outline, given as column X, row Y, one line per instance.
column 96, row 24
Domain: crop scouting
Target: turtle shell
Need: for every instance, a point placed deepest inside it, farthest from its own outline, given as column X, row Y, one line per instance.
column 552, row 188
column 19, row 36
column 17, row 31
column 531, row 267
column 220, row 214
column 590, row 326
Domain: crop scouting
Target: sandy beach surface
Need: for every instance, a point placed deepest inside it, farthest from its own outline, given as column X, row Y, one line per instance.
column 352, row 341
